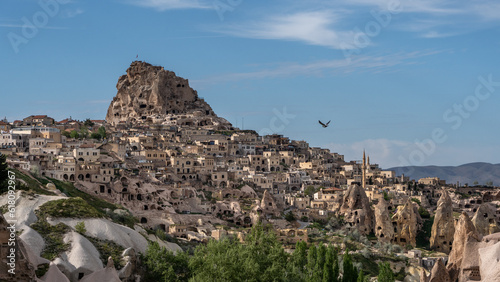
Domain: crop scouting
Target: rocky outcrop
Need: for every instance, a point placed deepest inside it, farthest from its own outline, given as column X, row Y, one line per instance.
column 54, row 275
column 463, row 229
column 406, row 225
column 108, row 274
column 383, row 227
column 152, row 95
column 356, row 210
column 484, row 220
column 443, row 228
column 268, row 204
column 129, row 259
column 423, row 276
column 489, row 260
column 23, row 268
column 439, row 273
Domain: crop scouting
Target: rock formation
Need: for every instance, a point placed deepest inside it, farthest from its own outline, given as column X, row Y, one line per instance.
column 24, row 269
column 150, row 94
column 423, row 276
column 356, row 210
column 406, row 225
column 383, row 227
column 268, row 204
column 108, row 274
column 439, row 273
column 463, row 228
column 443, row 228
column 489, row 259
column 54, row 275
column 484, row 220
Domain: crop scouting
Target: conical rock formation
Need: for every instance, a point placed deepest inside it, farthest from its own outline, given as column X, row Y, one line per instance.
column 383, row 227
column 356, row 210
column 443, row 228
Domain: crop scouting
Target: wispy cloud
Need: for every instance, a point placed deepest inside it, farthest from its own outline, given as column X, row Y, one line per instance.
column 162, row 5
column 385, row 152
column 314, row 28
column 4, row 25
column 359, row 63
column 71, row 13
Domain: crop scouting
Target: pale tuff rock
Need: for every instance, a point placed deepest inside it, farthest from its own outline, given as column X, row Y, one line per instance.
column 151, row 94
column 356, row 210
column 423, row 276
column 439, row 273
column 489, row 258
column 484, row 220
column 54, row 275
column 107, row 274
column 443, row 228
column 406, row 223
column 268, row 204
column 383, row 227
column 82, row 256
column 462, row 229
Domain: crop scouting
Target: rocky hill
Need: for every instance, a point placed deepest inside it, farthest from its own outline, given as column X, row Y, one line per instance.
column 150, row 94
column 467, row 173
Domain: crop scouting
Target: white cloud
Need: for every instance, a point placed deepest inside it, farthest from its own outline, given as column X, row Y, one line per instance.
column 314, row 28
column 23, row 25
column 357, row 63
column 381, row 151
column 71, row 13
column 162, row 5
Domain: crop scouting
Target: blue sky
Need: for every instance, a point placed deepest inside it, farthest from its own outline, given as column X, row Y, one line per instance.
column 389, row 74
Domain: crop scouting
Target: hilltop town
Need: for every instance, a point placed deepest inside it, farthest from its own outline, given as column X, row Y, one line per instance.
column 168, row 163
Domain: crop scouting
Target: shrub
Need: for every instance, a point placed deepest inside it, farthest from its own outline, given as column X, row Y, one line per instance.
column 80, row 227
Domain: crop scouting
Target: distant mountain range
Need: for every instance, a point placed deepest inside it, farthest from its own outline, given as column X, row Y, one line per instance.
column 467, row 173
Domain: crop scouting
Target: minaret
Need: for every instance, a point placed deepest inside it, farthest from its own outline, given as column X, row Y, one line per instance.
column 363, row 168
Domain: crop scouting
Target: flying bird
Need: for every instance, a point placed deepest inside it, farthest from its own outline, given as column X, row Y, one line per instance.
column 323, row 124
column 137, row 56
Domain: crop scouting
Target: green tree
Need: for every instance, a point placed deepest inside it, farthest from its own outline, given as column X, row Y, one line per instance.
column 361, row 276
column 299, row 258
column 95, row 136
column 66, row 133
column 289, row 216
column 84, row 132
column 88, row 123
column 311, row 262
column 385, row 273
column 261, row 258
column 310, row 190
column 330, row 259
column 162, row 265
column 102, row 132
column 336, row 267
column 4, row 173
column 74, row 134
column 350, row 272
column 320, row 262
